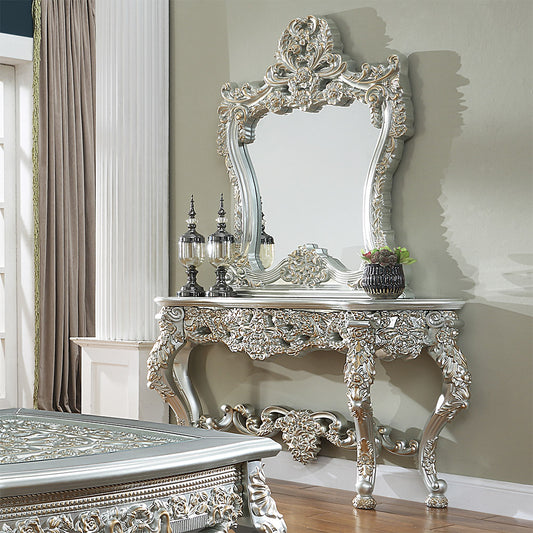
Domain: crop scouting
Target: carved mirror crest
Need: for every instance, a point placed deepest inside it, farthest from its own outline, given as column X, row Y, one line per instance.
column 312, row 77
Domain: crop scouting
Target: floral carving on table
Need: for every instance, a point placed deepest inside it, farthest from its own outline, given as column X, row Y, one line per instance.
column 363, row 336
column 301, row 432
column 220, row 506
column 26, row 440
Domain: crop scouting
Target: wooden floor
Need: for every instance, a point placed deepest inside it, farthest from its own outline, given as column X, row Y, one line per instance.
column 309, row 509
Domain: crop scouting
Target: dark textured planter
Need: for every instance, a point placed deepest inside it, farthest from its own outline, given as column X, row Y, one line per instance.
column 383, row 281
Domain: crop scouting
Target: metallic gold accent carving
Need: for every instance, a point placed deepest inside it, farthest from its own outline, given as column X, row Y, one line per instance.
column 364, row 502
column 437, row 501
column 263, row 511
column 59, row 439
column 301, row 430
column 398, row 334
column 397, row 447
column 170, row 339
column 310, row 73
column 16, row 507
column 365, row 458
column 304, row 267
column 447, row 355
column 217, row 506
column 429, row 457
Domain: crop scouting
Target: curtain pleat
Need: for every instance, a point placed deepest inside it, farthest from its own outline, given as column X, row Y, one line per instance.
column 67, row 198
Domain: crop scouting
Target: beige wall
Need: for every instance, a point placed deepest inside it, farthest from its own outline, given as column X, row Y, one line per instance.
column 462, row 205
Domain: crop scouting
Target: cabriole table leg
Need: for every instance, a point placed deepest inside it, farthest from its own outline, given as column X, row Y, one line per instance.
column 359, row 372
column 261, row 513
column 456, row 393
column 168, row 367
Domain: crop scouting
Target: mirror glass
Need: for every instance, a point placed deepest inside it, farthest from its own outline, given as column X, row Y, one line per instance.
column 311, row 170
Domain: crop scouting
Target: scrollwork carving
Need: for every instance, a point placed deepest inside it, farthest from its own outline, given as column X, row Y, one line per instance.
column 397, row 447
column 443, row 348
column 399, row 333
column 262, row 333
column 171, row 337
column 309, row 73
column 220, row 505
column 301, row 430
column 264, row 513
column 57, row 440
column 365, row 458
column 304, row 267
column 265, row 332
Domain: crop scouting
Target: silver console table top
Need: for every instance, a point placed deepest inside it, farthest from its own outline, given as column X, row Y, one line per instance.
column 361, row 328
column 64, row 472
column 317, row 303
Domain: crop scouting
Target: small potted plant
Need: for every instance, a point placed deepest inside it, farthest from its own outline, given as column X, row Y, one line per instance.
column 383, row 275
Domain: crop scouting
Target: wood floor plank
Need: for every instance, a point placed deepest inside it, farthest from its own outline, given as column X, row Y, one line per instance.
column 510, row 521
column 483, row 527
column 311, row 509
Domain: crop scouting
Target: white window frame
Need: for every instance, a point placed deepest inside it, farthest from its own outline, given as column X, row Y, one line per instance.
column 17, row 51
column 8, row 268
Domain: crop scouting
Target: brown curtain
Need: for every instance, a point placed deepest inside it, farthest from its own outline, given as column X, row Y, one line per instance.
column 66, row 192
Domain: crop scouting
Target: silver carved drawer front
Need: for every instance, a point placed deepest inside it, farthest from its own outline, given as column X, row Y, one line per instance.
column 184, row 503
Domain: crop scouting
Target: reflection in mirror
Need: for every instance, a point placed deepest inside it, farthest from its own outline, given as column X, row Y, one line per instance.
column 311, row 170
column 327, row 142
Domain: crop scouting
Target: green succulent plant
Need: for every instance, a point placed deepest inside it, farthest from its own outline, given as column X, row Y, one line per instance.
column 385, row 256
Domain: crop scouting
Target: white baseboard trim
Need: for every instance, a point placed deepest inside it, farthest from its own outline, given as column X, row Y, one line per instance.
column 475, row 494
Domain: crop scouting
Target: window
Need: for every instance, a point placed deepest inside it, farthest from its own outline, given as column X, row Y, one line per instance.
column 8, row 239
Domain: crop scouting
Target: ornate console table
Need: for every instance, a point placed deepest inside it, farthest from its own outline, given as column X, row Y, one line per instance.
column 365, row 330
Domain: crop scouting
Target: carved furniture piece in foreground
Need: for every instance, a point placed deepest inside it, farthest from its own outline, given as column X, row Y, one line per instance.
column 62, row 473
column 364, row 330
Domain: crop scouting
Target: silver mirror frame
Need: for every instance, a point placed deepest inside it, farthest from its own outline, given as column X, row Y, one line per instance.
column 311, row 72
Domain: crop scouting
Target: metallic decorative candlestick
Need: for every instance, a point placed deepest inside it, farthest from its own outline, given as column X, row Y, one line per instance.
column 220, row 250
column 191, row 255
column 266, row 248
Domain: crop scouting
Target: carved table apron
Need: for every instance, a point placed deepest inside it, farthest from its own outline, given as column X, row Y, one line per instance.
column 362, row 329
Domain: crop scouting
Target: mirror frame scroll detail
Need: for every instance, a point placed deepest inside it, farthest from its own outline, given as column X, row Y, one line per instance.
column 311, row 72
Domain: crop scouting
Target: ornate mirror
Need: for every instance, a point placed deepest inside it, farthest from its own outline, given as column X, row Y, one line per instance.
column 313, row 147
